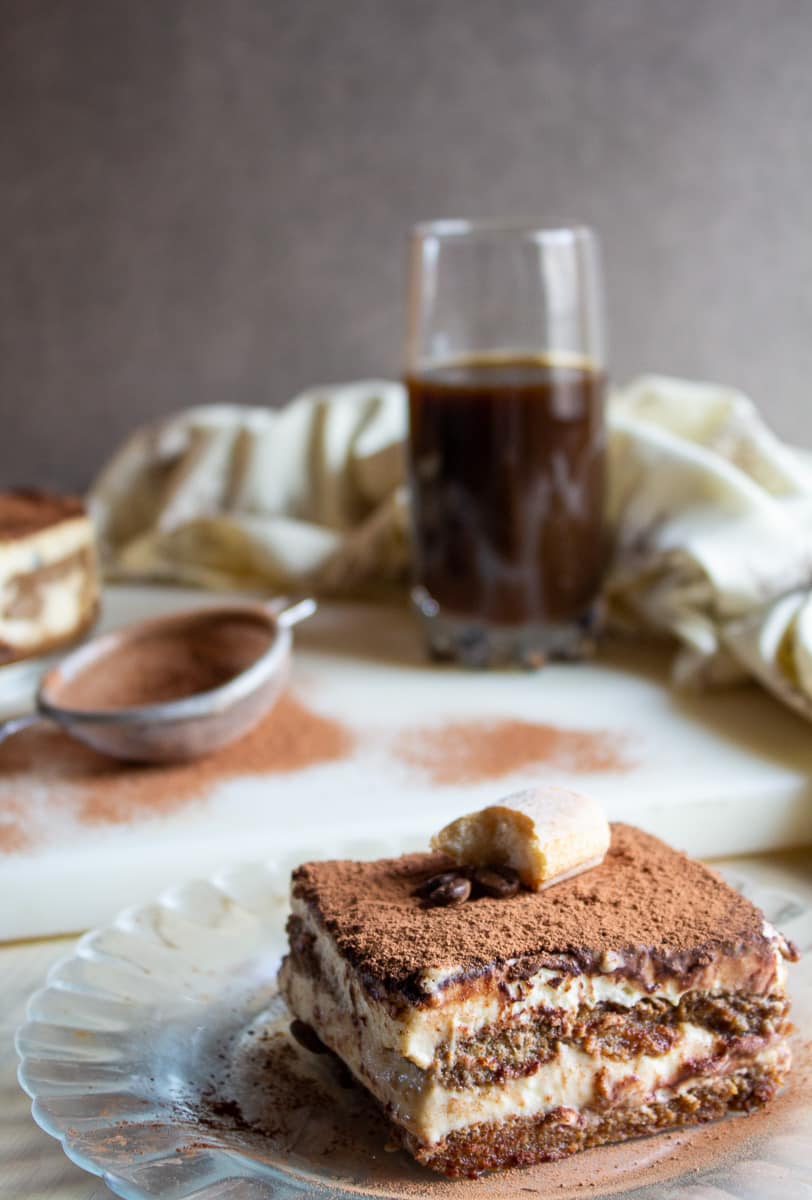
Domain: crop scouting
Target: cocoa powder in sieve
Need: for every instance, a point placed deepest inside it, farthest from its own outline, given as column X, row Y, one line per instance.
column 164, row 664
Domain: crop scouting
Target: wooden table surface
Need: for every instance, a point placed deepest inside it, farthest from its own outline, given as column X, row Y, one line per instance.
column 32, row 1165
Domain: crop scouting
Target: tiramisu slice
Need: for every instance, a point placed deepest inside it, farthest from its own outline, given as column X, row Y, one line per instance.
column 49, row 590
column 499, row 1026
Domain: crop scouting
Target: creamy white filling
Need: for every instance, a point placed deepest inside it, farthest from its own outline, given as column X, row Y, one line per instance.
column 20, row 555
column 572, row 1080
column 568, row 1081
column 62, row 607
column 418, row 1031
column 62, row 602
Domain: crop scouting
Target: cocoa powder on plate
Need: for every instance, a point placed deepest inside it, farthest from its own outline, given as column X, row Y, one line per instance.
column 289, row 1105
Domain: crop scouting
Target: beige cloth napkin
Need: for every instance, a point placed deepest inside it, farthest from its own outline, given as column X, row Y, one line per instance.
column 712, row 515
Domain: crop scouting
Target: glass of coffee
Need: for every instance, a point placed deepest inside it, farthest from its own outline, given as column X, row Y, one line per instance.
column 506, row 375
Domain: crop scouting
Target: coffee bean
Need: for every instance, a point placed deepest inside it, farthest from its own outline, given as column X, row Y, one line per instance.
column 450, row 891
column 428, row 886
column 498, row 882
column 306, row 1036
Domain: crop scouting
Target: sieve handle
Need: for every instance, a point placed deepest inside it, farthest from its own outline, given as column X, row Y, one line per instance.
column 289, row 613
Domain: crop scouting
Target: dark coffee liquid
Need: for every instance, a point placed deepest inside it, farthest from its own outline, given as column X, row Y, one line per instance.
column 507, row 469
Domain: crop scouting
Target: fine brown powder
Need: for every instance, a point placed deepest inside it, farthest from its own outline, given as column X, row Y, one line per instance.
column 163, row 664
column 93, row 790
column 645, row 901
column 102, row 792
column 473, row 751
column 25, row 511
column 14, row 834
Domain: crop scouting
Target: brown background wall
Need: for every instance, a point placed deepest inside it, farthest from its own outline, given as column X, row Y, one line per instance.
column 205, row 200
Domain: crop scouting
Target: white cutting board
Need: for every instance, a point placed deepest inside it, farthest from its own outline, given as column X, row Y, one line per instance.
column 720, row 774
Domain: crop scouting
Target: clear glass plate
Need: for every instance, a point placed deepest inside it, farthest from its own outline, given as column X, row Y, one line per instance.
column 158, row 1054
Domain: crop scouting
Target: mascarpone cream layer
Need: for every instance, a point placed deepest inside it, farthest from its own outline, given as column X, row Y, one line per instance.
column 572, row 1080
column 451, row 1014
column 61, row 603
column 19, row 556
column 62, row 607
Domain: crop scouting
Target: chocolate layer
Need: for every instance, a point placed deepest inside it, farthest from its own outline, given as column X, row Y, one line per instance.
column 24, row 511
column 648, row 913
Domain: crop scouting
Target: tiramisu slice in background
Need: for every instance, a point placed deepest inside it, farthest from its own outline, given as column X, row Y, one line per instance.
column 499, row 1026
column 49, row 589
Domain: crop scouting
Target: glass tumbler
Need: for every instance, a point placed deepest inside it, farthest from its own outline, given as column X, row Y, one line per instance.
column 506, row 377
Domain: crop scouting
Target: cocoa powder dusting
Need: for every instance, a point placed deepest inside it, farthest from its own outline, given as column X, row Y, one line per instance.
column 14, row 834
column 164, row 664
column 24, row 511
column 99, row 791
column 645, row 895
column 474, row 751
column 95, row 790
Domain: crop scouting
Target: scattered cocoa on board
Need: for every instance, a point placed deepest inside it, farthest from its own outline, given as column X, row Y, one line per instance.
column 14, row 834
column 98, row 791
column 93, row 790
column 475, row 751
